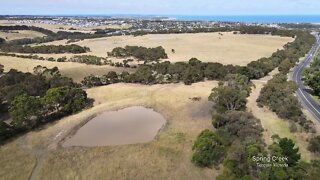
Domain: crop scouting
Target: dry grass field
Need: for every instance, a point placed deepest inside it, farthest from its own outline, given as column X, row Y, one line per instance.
column 208, row 47
column 12, row 35
column 15, row 157
column 76, row 71
column 38, row 154
column 167, row 157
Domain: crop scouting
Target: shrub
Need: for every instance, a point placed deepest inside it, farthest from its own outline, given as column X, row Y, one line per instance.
column 314, row 144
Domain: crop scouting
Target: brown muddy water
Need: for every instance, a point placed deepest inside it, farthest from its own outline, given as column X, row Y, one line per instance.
column 127, row 126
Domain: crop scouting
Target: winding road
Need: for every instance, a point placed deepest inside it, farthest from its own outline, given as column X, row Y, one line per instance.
column 311, row 105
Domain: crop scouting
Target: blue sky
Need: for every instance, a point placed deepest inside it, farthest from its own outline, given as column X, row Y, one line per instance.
column 161, row 7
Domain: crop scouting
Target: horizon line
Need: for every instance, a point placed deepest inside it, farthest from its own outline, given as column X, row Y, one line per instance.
column 122, row 14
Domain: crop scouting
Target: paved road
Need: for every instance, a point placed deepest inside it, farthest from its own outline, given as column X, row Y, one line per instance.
column 312, row 106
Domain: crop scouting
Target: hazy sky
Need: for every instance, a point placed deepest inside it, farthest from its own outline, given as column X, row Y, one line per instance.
column 161, row 7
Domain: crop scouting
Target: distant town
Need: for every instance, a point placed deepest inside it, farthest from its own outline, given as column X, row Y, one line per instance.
column 132, row 25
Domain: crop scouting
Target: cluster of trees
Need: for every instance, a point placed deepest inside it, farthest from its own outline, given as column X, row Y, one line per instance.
column 278, row 95
column 235, row 143
column 231, row 96
column 190, row 72
column 89, row 59
column 110, row 78
column 139, row 52
column 238, row 137
column 46, row 49
column 312, row 76
column 236, row 130
column 33, row 99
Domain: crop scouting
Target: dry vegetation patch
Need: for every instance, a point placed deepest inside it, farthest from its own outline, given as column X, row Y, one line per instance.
column 16, row 160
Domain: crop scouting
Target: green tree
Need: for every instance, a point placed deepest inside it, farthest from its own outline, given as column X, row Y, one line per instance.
column 239, row 125
column 314, row 82
column 288, row 149
column 227, row 98
column 64, row 100
column 239, row 82
column 25, row 111
column 208, row 149
column 112, row 77
column 285, row 66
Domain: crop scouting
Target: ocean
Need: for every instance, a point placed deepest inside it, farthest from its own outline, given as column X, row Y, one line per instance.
column 253, row 18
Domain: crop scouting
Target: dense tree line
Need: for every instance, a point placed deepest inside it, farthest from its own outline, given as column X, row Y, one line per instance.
column 46, row 49
column 139, row 52
column 278, row 95
column 110, row 78
column 266, row 30
column 24, row 27
column 292, row 52
column 166, row 72
column 243, row 29
column 300, row 26
column 33, row 99
column 312, row 76
column 88, row 59
column 237, row 141
column 187, row 30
